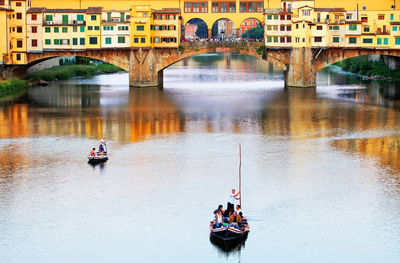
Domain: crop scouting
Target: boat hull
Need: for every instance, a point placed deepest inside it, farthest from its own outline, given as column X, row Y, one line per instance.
column 97, row 160
column 228, row 234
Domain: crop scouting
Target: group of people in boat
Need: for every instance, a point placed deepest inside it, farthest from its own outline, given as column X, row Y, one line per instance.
column 101, row 151
column 232, row 216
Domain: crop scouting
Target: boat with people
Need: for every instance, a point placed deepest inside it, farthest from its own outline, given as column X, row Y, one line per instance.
column 230, row 225
column 230, row 231
column 100, row 156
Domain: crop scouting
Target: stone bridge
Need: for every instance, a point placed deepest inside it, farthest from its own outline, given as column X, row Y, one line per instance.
column 146, row 65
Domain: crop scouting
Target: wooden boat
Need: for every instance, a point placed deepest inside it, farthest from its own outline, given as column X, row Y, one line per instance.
column 98, row 158
column 227, row 233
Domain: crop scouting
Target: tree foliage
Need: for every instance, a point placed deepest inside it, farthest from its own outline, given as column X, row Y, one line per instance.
column 202, row 29
column 256, row 32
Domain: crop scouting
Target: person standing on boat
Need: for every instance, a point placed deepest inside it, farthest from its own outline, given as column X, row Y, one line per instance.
column 101, row 149
column 232, row 200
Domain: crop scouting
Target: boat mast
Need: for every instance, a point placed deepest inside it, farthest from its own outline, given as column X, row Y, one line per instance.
column 240, row 174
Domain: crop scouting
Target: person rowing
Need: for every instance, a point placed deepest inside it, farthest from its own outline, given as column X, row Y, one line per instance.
column 92, row 153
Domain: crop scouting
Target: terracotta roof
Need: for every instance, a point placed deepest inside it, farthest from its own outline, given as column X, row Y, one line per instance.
column 330, row 9
column 168, row 11
column 65, row 10
column 36, row 10
column 94, row 10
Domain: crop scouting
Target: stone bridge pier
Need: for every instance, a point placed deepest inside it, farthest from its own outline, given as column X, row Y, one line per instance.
column 145, row 67
column 300, row 72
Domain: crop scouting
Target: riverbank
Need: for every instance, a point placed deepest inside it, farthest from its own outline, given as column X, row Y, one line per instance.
column 12, row 87
column 368, row 68
column 71, row 71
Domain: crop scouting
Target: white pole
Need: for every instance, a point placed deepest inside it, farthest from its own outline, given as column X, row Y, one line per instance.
column 240, row 174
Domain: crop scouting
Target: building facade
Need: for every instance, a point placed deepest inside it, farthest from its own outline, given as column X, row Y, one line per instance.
column 299, row 24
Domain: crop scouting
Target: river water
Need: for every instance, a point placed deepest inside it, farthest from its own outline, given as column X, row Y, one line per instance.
column 320, row 167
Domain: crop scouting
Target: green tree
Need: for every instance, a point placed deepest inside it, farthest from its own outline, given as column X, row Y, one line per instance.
column 215, row 29
column 256, row 32
column 202, row 30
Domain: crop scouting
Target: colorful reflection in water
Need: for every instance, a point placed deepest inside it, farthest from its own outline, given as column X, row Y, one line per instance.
column 321, row 167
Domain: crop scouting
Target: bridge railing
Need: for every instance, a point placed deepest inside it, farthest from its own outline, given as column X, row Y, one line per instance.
column 222, row 44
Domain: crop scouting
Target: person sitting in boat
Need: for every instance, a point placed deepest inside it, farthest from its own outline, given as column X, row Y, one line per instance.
column 101, row 149
column 92, row 153
column 235, row 220
column 218, row 219
column 244, row 220
column 238, row 209
column 221, row 208
column 232, row 200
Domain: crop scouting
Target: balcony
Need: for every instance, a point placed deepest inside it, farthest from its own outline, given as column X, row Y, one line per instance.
column 70, row 23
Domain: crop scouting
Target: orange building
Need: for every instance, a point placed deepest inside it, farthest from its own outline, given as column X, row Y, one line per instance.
column 248, row 24
column 190, row 31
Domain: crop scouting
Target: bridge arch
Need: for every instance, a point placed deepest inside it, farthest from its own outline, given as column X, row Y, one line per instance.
column 196, row 27
column 200, row 48
column 223, row 28
column 119, row 58
column 334, row 55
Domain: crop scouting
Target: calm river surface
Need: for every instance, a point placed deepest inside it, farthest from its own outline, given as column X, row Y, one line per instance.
column 320, row 167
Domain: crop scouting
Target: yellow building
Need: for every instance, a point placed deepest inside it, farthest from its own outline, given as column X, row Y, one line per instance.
column 34, row 24
column 332, row 27
column 18, row 34
column 155, row 28
column 63, row 29
column 167, row 28
column 278, row 28
column 115, row 31
column 5, row 11
column 141, row 21
column 93, row 28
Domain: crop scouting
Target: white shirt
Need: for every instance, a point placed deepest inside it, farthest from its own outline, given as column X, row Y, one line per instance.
column 232, row 199
column 219, row 218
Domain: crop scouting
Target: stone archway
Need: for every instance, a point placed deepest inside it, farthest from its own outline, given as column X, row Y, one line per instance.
column 223, row 28
column 196, row 28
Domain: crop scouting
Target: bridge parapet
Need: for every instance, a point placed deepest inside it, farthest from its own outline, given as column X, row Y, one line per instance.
column 220, row 44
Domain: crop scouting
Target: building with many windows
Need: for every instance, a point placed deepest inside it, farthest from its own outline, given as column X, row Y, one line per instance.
column 115, row 29
column 34, row 24
column 278, row 27
column 5, row 49
column 63, row 29
column 330, row 27
column 17, row 31
column 93, row 28
column 155, row 28
column 166, row 27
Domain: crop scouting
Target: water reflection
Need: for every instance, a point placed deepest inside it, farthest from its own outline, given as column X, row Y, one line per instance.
column 227, row 248
column 320, row 167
